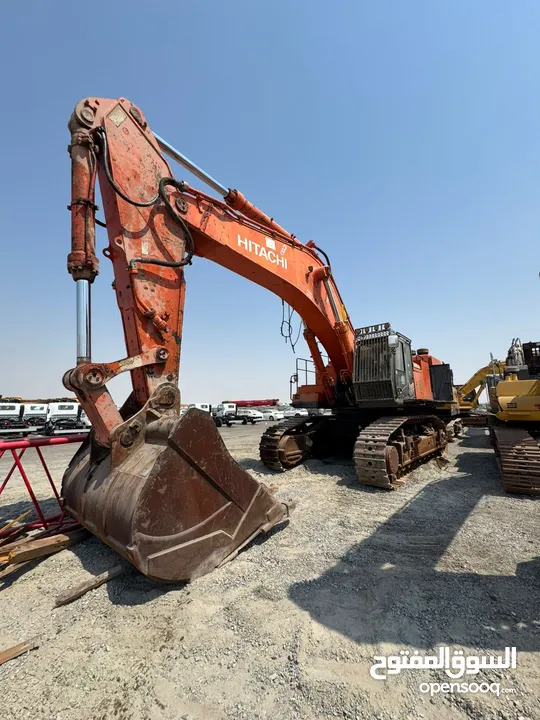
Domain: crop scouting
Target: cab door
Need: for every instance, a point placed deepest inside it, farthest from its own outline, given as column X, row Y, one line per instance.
column 403, row 370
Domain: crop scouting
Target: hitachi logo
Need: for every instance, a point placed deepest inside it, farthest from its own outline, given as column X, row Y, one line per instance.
column 267, row 252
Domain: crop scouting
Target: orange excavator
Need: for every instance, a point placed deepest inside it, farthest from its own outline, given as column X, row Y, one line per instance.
column 161, row 488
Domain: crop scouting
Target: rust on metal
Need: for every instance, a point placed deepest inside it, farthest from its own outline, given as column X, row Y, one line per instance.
column 518, row 457
column 392, row 446
column 175, row 503
column 289, row 443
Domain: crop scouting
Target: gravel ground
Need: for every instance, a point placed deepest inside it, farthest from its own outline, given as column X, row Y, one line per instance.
column 289, row 629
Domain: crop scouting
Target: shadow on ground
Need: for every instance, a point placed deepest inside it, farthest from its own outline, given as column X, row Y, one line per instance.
column 9, row 511
column 477, row 439
column 131, row 588
column 388, row 587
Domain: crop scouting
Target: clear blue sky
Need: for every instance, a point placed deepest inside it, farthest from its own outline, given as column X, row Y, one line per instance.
column 402, row 136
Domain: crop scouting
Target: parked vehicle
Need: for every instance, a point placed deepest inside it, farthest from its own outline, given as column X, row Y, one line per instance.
column 317, row 412
column 252, row 403
column 249, row 415
column 85, row 420
column 11, row 420
column 65, row 418
column 226, row 408
column 35, row 414
column 272, row 415
column 296, row 412
column 228, row 413
column 206, row 407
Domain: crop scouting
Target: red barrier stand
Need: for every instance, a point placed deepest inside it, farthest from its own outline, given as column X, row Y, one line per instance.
column 61, row 522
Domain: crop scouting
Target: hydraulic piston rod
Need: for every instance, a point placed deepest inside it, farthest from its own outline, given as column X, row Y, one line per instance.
column 84, row 351
column 189, row 165
column 233, row 198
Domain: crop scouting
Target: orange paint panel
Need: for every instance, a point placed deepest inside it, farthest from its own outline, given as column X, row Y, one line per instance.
column 422, row 378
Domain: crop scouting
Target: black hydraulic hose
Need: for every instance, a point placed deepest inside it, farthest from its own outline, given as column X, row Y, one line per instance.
column 162, row 193
column 177, row 185
column 325, row 256
column 102, row 136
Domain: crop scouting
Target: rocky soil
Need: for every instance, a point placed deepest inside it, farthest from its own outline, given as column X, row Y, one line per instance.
column 290, row 628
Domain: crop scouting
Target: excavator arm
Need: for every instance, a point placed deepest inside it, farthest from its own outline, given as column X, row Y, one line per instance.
column 162, row 489
column 469, row 393
column 156, row 225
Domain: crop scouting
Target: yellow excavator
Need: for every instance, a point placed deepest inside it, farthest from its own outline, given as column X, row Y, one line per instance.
column 468, row 395
column 514, row 422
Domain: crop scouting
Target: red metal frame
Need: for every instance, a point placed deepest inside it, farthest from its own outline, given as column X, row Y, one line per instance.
column 54, row 523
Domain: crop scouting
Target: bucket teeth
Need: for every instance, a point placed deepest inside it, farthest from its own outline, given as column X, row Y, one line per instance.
column 177, row 505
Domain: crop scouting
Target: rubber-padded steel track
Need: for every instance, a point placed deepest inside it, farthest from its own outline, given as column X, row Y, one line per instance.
column 518, row 457
column 377, row 462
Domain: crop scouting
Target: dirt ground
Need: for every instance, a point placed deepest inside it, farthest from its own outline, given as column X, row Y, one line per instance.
column 291, row 627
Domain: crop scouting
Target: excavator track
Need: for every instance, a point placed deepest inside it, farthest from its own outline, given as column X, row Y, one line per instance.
column 392, row 446
column 518, row 457
column 476, row 420
column 288, row 444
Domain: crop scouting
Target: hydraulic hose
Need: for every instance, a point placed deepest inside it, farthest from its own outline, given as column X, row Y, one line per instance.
column 165, row 182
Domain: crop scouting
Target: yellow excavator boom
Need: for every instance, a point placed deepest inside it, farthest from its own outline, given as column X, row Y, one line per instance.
column 469, row 394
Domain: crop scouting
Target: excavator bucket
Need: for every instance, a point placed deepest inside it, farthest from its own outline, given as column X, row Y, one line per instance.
column 173, row 502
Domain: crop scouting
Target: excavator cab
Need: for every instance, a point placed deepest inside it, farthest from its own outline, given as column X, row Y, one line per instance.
column 531, row 353
column 383, row 368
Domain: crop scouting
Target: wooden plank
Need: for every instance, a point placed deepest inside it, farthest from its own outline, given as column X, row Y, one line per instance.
column 8, row 547
column 17, row 650
column 77, row 592
column 18, row 535
column 15, row 545
column 13, row 522
column 46, row 546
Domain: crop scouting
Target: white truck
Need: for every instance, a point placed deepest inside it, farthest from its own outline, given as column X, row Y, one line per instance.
column 227, row 413
column 218, row 414
column 65, row 418
column 218, row 418
column 35, row 414
column 206, row 407
column 11, row 420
